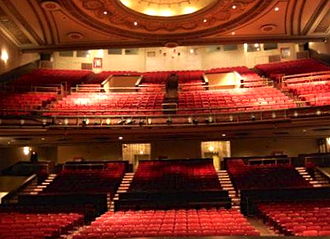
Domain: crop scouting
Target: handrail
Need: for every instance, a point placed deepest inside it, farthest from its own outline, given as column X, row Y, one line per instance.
column 305, row 74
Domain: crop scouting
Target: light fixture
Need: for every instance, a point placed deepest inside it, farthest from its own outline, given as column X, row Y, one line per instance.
column 136, row 23
column 149, row 121
column 105, row 13
column 318, row 112
column 120, row 137
column 233, row 33
column 276, row 9
column 211, row 148
column 234, row 7
column 108, row 121
column 295, row 114
column 223, row 135
column 43, row 139
column 66, row 121
column 26, row 150
column 141, row 152
column 192, row 50
column 190, row 120
column 273, row 115
column 4, row 55
column 22, row 122
column 205, row 20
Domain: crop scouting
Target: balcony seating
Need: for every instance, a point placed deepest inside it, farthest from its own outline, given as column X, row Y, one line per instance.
column 174, row 184
column 160, row 77
column 250, row 78
column 316, row 93
column 76, row 180
column 265, row 177
column 23, row 103
column 175, row 175
column 44, row 77
column 171, row 223
column 109, row 104
column 100, row 77
column 235, row 100
column 17, row 225
column 291, row 67
column 298, row 218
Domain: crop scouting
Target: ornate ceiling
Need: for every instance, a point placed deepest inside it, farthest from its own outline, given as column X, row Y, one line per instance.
column 36, row 25
column 167, row 8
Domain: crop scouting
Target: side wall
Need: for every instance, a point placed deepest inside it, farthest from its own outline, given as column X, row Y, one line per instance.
column 15, row 57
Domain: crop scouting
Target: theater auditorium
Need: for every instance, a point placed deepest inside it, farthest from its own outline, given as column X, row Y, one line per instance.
column 164, row 119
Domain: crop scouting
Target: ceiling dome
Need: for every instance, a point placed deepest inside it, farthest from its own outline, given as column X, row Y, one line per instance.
column 167, row 8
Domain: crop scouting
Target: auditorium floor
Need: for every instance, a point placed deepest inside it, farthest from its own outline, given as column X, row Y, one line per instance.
column 261, row 227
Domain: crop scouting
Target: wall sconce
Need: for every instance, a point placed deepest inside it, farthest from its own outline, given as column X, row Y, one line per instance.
column 4, row 56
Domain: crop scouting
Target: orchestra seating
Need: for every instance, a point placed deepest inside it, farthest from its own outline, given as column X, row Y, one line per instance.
column 18, row 225
column 298, row 218
column 109, row 104
column 24, row 103
column 247, row 177
column 234, row 100
column 46, row 77
column 168, row 223
column 174, row 184
column 316, row 92
column 274, row 70
column 81, row 179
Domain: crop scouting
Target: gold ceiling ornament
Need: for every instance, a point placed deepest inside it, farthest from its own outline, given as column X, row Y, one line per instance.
column 112, row 16
column 167, row 8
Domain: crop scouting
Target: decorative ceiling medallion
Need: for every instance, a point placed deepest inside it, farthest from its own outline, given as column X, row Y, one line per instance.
column 75, row 35
column 166, row 8
column 50, row 5
column 112, row 16
column 268, row 27
column 171, row 44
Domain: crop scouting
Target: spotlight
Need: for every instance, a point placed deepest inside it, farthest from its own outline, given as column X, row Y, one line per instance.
column 141, row 122
column 121, row 122
column 129, row 121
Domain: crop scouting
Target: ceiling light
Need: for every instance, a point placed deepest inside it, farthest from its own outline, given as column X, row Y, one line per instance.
column 105, row 12
column 234, row 7
column 211, row 148
column 276, row 9
column 224, row 135
column 205, row 20
column 26, row 150
column 120, row 137
column 136, row 23
column 43, row 139
column 233, row 33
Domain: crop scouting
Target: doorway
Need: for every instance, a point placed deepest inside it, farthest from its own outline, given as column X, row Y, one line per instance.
column 216, row 150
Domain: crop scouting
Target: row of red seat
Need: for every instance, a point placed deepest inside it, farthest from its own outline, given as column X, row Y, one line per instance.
column 175, row 175
column 316, row 93
column 16, row 225
column 24, row 103
column 110, row 103
column 298, row 218
column 88, row 180
column 291, row 67
column 242, row 99
column 264, row 177
column 50, row 77
column 171, row 223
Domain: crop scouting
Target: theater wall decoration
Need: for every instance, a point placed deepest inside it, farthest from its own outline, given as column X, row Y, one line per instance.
column 35, row 25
